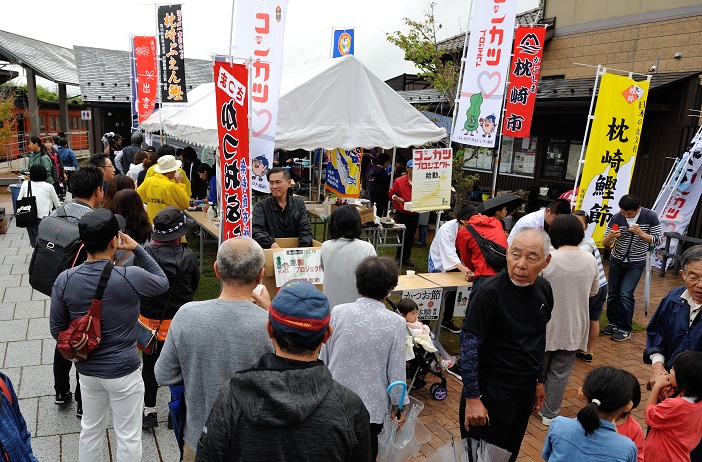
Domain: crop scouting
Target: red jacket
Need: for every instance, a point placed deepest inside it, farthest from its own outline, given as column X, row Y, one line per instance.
column 402, row 188
column 471, row 256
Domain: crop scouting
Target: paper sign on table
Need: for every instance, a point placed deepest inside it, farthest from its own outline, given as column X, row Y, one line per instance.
column 428, row 301
column 303, row 263
column 462, row 296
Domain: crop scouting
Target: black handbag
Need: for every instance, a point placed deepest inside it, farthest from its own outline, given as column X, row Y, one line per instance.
column 26, row 212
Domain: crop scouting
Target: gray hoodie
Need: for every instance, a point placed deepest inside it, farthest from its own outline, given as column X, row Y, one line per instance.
column 286, row 410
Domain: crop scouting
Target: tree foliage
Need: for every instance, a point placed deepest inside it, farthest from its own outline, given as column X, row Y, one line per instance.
column 8, row 124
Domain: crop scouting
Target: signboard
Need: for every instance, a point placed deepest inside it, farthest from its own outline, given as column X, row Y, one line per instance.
column 523, row 81
column 485, row 73
column 170, row 36
column 86, row 115
column 145, row 76
column 260, row 26
column 611, row 150
column 428, row 301
column 344, row 172
column 342, row 43
column 431, row 179
column 303, row 263
column 461, row 304
column 232, row 104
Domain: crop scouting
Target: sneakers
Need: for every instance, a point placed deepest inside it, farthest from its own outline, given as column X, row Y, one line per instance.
column 150, row 420
column 451, row 327
column 609, row 330
column 63, row 398
column 545, row 420
column 584, row 356
column 79, row 412
column 455, row 371
column 621, row 336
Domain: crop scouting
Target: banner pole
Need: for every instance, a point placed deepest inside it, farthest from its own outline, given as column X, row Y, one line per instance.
column 231, row 33
column 319, row 177
column 498, row 144
column 460, row 76
column 590, row 118
column 249, row 116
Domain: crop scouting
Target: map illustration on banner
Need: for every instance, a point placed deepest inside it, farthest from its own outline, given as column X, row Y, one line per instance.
column 431, row 179
column 344, row 172
column 611, row 149
column 304, row 263
column 343, row 43
column 170, row 35
column 233, row 132
column 260, row 26
column 485, row 73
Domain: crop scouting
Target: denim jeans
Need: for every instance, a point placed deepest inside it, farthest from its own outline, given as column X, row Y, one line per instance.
column 623, row 279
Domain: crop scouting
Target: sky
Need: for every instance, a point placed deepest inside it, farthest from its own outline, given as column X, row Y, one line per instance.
column 206, row 26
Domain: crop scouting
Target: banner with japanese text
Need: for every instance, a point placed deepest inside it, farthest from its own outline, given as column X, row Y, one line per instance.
column 342, row 43
column 233, row 132
column 485, row 73
column 611, row 150
column 344, row 172
column 428, row 301
column 145, row 76
column 523, row 81
column 260, row 27
column 680, row 196
column 303, row 263
column 431, row 179
column 172, row 55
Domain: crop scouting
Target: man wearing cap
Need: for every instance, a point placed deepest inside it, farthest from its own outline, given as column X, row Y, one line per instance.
column 277, row 409
column 181, row 267
column 159, row 192
column 209, row 341
column 280, row 215
column 540, row 218
column 401, row 192
column 110, row 374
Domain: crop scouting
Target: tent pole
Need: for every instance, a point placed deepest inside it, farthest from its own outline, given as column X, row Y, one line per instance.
column 319, row 178
column 392, row 176
column 590, row 118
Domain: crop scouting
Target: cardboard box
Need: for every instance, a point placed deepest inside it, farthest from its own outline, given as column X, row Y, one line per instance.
column 365, row 212
column 269, row 276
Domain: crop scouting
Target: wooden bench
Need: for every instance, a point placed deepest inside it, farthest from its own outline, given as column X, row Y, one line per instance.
column 677, row 256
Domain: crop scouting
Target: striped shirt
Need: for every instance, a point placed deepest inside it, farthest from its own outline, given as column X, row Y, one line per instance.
column 588, row 245
column 629, row 247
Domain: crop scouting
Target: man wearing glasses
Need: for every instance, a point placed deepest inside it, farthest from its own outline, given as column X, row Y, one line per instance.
column 103, row 162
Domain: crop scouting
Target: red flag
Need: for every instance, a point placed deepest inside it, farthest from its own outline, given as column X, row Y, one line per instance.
column 233, row 131
column 523, row 81
column 146, row 77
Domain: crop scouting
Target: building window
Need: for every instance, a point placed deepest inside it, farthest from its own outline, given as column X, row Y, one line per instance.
column 561, row 160
column 518, row 156
column 42, row 124
column 475, row 158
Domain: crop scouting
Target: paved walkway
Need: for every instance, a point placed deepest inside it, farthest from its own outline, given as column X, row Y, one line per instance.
column 26, row 355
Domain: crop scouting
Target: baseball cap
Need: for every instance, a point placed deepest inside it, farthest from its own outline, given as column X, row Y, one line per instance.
column 410, row 164
column 99, row 226
column 301, row 312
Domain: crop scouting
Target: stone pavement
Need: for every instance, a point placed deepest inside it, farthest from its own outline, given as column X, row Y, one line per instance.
column 26, row 355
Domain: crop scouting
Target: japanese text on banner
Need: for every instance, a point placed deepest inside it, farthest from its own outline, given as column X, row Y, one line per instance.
column 146, row 79
column 170, row 34
column 485, row 73
column 304, row 263
column 523, row 82
column 344, row 172
column 260, row 26
column 233, row 132
column 611, row 150
column 431, row 179
column 428, row 301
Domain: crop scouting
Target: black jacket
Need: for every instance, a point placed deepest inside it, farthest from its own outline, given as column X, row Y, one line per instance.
column 270, row 221
column 173, row 259
column 286, row 410
column 378, row 184
column 128, row 154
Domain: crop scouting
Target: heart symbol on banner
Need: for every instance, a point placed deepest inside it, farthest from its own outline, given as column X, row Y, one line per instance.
column 488, row 78
column 259, row 121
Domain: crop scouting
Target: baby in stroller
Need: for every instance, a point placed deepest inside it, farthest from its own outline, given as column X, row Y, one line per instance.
column 424, row 351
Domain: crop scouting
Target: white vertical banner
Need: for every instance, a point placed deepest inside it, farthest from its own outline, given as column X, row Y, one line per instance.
column 680, row 196
column 260, row 27
column 485, row 73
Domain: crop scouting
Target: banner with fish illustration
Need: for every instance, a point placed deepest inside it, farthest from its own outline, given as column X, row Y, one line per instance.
column 344, row 172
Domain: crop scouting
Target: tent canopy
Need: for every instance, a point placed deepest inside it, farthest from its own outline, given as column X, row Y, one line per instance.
column 336, row 103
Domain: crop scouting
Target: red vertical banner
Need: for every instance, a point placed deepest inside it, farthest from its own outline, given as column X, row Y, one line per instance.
column 523, row 81
column 233, row 132
column 146, row 77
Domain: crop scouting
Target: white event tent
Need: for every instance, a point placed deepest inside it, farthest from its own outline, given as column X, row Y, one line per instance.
column 336, row 103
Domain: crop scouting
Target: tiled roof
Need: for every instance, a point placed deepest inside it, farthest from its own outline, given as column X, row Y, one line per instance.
column 52, row 62
column 104, row 74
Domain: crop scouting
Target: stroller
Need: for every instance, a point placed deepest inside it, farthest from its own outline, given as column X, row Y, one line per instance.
column 425, row 363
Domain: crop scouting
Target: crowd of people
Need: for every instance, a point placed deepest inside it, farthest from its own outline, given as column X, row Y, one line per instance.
column 264, row 378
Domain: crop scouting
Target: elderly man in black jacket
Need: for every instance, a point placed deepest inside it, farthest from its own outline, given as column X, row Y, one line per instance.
column 281, row 215
column 287, row 407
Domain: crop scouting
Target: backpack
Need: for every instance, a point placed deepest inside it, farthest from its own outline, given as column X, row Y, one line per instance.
column 83, row 334
column 58, row 248
column 495, row 255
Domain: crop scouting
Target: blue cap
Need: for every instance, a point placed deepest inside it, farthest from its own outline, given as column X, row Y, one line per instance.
column 301, row 312
column 410, row 163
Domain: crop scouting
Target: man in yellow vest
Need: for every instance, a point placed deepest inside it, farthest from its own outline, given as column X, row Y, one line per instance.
column 165, row 188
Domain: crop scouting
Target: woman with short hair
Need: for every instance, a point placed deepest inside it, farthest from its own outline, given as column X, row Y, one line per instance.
column 47, row 199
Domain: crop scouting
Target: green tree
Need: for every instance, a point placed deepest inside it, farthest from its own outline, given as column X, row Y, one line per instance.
column 8, row 124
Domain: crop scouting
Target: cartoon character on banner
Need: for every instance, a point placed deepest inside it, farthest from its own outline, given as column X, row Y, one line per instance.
column 473, row 113
column 345, row 44
column 259, row 168
column 488, row 125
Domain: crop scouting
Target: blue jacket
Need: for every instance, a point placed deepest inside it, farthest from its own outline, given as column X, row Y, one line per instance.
column 68, row 157
column 566, row 442
column 212, row 196
column 669, row 332
column 14, row 436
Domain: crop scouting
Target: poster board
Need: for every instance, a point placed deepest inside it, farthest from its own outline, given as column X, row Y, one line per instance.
column 428, row 301
column 431, row 179
column 298, row 263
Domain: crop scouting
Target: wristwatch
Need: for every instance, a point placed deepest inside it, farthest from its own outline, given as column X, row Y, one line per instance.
column 539, row 380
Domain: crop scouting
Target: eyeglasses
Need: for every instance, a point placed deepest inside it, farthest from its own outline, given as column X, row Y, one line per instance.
column 692, row 278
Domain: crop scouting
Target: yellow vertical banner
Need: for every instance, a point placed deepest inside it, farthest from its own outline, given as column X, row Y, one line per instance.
column 611, row 150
